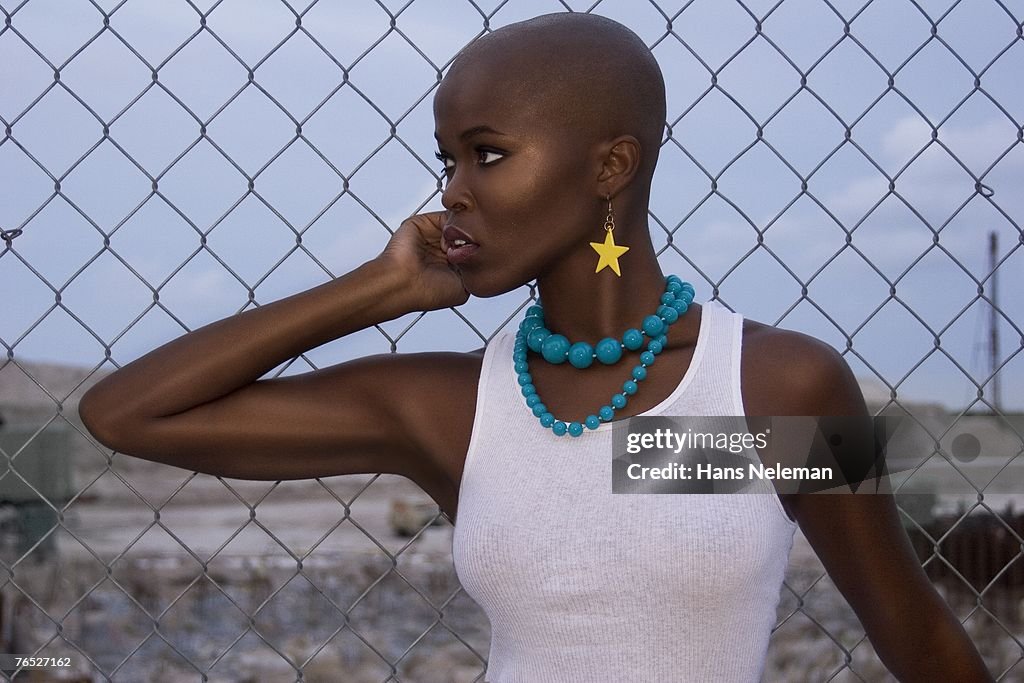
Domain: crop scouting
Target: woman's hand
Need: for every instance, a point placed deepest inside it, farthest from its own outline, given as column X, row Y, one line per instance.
column 415, row 252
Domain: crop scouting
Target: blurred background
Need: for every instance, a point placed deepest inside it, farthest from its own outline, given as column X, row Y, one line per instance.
column 168, row 163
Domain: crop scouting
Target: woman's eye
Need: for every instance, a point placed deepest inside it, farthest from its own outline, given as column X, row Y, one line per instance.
column 484, row 153
column 444, row 159
column 486, row 158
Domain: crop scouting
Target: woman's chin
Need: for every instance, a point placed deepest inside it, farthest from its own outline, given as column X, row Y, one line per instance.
column 486, row 288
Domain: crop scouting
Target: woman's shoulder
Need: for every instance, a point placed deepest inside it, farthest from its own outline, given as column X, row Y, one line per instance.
column 789, row 372
column 441, row 372
column 764, row 341
column 427, row 388
column 432, row 389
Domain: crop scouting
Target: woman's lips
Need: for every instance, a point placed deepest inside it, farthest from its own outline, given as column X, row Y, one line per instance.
column 461, row 254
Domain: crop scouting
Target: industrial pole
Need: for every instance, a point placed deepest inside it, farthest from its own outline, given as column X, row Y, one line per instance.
column 993, row 250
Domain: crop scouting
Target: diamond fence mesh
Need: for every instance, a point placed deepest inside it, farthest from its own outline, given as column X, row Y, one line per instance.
column 133, row 128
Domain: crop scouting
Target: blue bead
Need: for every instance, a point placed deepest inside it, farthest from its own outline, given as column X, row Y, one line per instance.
column 606, row 413
column 592, row 422
column 536, row 337
column 547, row 419
column 633, row 339
column 558, row 428
column 653, row 325
column 685, row 296
column 668, row 297
column 575, row 429
column 639, row 373
column 672, row 277
column 662, row 339
column 529, row 324
column 668, row 314
column 673, row 287
column 535, row 311
column 630, row 387
column 539, row 409
column 654, row 347
column 532, row 400
column 581, row 355
column 519, row 356
column 647, row 358
column 680, row 305
column 529, row 389
column 619, row 401
column 687, row 287
column 524, row 379
column 555, row 349
column 609, row 351
column 521, row 365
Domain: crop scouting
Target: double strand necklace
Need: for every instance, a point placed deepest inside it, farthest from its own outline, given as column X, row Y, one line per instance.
column 556, row 349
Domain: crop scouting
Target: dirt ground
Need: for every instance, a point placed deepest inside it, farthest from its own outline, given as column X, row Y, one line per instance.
column 158, row 574
column 250, row 536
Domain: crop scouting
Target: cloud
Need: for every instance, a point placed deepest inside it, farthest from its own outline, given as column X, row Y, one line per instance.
column 977, row 145
column 934, row 184
column 906, row 137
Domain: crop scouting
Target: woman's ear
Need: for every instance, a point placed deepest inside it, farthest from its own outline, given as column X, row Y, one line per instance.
column 620, row 164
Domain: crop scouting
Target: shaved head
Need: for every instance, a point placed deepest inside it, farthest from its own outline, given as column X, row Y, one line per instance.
column 585, row 75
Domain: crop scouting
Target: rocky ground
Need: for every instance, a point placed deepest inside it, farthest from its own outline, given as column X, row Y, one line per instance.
column 259, row 617
column 204, row 577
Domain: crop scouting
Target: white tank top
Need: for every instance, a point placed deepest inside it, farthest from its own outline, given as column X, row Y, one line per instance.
column 581, row 584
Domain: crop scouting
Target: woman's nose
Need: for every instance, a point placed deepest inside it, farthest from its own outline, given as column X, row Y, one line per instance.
column 455, row 195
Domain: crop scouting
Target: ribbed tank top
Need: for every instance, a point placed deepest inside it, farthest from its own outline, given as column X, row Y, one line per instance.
column 581, row 584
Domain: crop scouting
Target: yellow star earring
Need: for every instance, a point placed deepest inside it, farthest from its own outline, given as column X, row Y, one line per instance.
column 608, row 250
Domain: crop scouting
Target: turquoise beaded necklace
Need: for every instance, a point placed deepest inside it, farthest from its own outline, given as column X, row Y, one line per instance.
column 556, row 349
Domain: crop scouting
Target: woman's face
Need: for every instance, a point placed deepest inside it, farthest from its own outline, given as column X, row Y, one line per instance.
column 516, row 183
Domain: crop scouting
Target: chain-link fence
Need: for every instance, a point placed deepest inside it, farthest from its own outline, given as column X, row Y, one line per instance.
column 165, row 164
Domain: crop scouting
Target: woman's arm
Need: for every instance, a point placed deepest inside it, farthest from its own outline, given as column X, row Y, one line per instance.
column 197, row 402
column 862, row 544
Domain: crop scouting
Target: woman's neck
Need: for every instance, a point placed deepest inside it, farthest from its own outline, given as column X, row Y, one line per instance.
column 588, row 306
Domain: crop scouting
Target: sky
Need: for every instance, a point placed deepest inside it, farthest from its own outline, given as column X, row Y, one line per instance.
column 781, row 120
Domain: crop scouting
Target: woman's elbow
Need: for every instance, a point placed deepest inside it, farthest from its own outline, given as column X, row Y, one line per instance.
column 101, row 420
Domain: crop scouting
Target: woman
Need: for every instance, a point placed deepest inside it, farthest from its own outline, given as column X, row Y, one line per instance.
column 549, row 132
